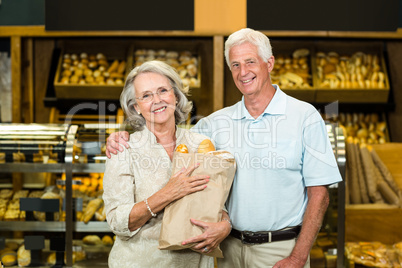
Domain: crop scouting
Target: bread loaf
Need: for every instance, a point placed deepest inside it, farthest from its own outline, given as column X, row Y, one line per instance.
column 206, row 146
column 182, row 148
column 92, row 240
column 100, row 214
column 92, row 207
column 12, row 245
column 107, row 240
column 24, row 256
column 9, row 259
column 51, row 259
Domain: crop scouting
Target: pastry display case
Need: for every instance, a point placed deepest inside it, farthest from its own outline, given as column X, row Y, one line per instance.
column 22, row 145
column 68, row 205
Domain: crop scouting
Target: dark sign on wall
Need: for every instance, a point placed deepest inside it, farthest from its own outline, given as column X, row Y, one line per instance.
column 22, row 12
column 106, row 15
column 311, row 15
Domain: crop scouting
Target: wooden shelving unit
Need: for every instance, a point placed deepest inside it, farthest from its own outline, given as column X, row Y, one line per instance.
column 32, row 45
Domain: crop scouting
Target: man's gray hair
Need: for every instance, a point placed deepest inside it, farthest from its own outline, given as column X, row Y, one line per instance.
column 247, row 35
column 128, row 98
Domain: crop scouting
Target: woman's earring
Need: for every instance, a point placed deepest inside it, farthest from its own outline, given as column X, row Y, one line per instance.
column 139, row 112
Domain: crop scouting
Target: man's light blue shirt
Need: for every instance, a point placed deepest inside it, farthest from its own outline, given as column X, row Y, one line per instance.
column 278, row 155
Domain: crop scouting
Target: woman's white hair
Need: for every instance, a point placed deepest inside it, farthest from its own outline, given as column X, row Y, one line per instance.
column 247, row 35
column 128, row 99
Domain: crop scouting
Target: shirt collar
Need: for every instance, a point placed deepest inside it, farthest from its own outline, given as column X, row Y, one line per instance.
column 276, row 106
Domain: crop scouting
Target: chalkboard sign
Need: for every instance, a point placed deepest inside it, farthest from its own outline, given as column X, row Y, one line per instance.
column 312, row 15
column 106, row 15
column 22, row 12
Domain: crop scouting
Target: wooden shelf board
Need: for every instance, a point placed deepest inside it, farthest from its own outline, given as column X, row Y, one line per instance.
column 40, row 31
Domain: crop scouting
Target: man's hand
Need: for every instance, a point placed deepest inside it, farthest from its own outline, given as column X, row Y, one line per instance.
column 318, row 200
column 115, row 141
column 214, row 234
column 289, row 262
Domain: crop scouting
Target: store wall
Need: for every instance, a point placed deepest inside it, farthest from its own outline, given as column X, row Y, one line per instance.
column 212, row 16
column 394, row 49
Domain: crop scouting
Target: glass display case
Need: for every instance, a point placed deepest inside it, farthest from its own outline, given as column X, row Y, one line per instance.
column 56, row 162
column 334, row 221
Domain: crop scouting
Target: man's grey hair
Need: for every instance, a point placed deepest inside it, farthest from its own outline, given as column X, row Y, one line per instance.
column 247, row 35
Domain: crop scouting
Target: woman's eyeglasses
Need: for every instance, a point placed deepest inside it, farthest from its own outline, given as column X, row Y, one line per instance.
column 149, row 96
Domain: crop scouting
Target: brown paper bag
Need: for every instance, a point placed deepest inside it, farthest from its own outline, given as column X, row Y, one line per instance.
column 205, row 205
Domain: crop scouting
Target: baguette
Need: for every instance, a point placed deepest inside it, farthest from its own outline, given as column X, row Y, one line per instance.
column 100, row 214
column 360, row 175
column 92, row 207
column 347, row 194
column 372, row 175
column 388, row 194
column 113, row 67
column 122, row 67
column 353, row 183
column 386, row 174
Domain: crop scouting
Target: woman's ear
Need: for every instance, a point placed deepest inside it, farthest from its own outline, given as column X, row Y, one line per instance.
column 137, row 109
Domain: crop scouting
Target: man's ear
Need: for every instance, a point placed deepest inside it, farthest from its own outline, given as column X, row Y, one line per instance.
column 271, row 63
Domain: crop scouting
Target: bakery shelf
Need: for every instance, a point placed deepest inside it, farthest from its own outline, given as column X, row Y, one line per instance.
column 92, row 226
column 112, row 50
column 294, row 58
column 57, row 226
column 36, row 226
column 32, row 167
column 52, row 168
column 90, row 167
column 370, row 93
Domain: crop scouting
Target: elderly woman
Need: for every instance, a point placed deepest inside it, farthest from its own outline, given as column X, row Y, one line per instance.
column 138, row 183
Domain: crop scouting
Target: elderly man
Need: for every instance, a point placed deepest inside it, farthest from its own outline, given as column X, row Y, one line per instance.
column 284, row 165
